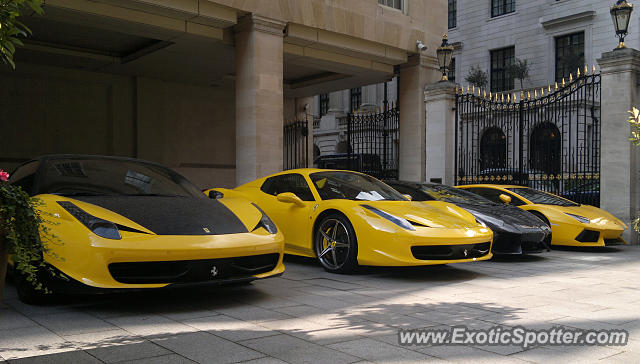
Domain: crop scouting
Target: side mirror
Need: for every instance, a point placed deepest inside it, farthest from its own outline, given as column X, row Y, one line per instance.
column 408, row 197
column 505, row 198
column 214, row 195
column 288, row 197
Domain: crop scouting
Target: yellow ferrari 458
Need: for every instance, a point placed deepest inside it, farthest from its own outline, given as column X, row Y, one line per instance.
column 346, row 219
column 119, row 223
column 571, row 224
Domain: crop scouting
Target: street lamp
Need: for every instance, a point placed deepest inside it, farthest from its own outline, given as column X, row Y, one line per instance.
column 444, row 53
column 621, row 15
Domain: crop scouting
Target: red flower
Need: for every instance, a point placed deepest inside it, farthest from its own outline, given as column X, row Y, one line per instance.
column 4, row 176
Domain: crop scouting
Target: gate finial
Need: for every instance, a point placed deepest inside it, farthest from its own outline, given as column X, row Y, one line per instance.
column 570, row 77
column 578, row 74
column 593, row 70
column 549, row 89
column 556, row 87
column 586, row 69
column 563, row 82
column 528, row 95
column 522, row 95
column 535, row 94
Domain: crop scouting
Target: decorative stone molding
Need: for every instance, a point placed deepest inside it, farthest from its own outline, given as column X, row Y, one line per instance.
column 566, row 20
column 620, row 60
column 261, row 24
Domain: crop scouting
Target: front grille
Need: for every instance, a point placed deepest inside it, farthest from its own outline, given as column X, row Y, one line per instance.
column 588, row 236
column 446, row 252
column 610, row 242
column 191, row 271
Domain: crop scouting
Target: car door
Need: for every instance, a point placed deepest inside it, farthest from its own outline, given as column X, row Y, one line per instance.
column 292, row 219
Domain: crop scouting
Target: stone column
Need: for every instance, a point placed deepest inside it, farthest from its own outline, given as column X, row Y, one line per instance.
column 440, row 101
column 414, row 76
column 619, row 176
column 259, row 97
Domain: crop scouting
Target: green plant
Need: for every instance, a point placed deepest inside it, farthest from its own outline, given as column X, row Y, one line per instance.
column 11, row 29
column 477, row 77
column 21, row 225
column 519, row 69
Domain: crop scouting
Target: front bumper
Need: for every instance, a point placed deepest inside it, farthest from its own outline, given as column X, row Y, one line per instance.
column 424, row 246
column 586, row 235
column 155, row 261
column 528, row 242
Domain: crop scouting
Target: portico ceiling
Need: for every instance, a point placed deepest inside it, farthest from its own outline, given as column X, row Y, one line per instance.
column 199, row 54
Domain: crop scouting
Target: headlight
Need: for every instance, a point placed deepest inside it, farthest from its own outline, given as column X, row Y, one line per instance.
column 582, row 219
column 403, row 223
column 265, row 222
column 98, row 226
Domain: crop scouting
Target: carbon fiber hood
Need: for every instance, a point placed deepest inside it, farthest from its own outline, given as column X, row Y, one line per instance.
column 510, row 215
column 173, row 215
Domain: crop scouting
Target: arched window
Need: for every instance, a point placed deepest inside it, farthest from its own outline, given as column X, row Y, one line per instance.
column 493, row 149
column 545, row 148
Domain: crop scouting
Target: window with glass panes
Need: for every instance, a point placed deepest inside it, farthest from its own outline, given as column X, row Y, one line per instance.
column 396, row 4
column 356, row 98
column 324, row 104
column 569, row 54
column 453, row 13
column 501, row 7
column 451, row 74
column 500, row 60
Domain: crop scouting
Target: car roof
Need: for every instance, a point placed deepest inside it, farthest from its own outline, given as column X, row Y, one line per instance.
column 52, row 157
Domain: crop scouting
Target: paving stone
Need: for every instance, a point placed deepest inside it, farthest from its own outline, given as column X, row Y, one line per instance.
column 165, row 359
column 294, row 350
column 101, row 339
column 10, row 319
column 379, row 352
column 230, row 328
column 150, row 325
column 113, row 354
column 203, row 347
column 72, row 323
column 31, row 341
column 74, row 357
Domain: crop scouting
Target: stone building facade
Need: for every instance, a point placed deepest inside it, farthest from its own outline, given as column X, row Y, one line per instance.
column 203, row 86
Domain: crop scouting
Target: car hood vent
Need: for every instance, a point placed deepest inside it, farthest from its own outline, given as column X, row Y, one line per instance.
column 173, row 215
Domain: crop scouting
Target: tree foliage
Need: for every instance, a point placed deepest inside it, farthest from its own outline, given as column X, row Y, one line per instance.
column 12, row 29
column 477, row 77
column 634, row 120
column 519, row 69
column 21, row 225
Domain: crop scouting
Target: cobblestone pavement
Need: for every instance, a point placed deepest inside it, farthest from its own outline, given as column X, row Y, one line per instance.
column 310, row 316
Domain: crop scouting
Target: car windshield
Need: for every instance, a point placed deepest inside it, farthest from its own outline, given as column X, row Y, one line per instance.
column 539, row 197
column 352, row 186
column 455, row 195
column 113, row 177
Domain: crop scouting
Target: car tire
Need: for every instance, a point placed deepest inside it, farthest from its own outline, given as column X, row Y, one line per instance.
column 336, row 245
column 27, row 293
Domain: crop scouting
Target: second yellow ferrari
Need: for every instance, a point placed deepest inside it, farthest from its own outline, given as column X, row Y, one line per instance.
column 346, row 219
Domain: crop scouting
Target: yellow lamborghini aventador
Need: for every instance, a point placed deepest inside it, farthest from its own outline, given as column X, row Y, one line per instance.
column 122, row 223
column 571, row 224
column 346, row 218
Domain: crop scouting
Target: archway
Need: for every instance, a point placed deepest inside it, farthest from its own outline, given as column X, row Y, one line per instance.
column 545, row 148
column 493, row 149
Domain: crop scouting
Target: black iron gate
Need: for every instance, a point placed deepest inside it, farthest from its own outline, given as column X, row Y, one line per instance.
column 296, row 145
column 373, row 142
column 548, row 139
